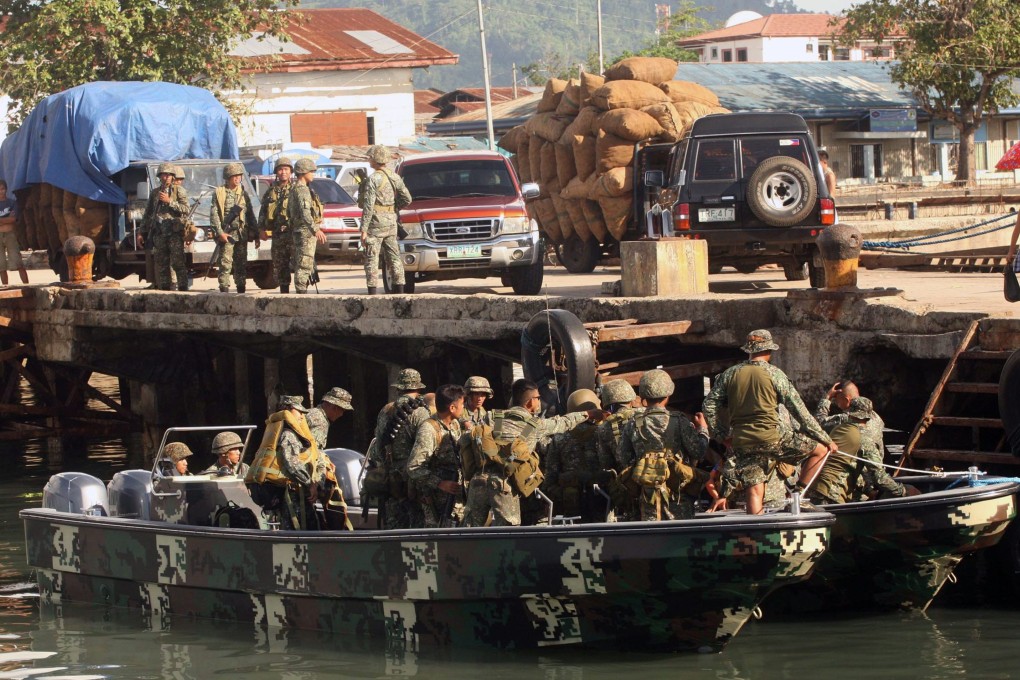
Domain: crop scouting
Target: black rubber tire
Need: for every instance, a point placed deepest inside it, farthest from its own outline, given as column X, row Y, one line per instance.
column 408, row 282
column 798, row 270
column 569, row 334
column 1009, row 401
column 102, row 264
column 746, row 268
column 714, row 268
column 579, row 257
column 816, row 275
column 504, row 280
column 264, row 276
column 781, row 191
column 527, row 280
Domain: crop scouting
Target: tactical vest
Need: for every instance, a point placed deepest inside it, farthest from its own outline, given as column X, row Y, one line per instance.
column 277, row 199
column 267, row 468
column 511, row 458
column 221, row 206
column 316, row 207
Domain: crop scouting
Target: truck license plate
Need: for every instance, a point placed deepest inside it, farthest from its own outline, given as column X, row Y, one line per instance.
column 455, row 252
column 716, row 214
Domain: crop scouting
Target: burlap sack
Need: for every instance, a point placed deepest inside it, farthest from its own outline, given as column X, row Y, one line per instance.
column 691, row 111
column 612, row 152
column 630, row 124
column 577, row 218
column 512, row 139
column 565, row 168
column 584, row 155
column 720, row 109
column 547, row 169
column 45, row 215
column 35, row 233
column 617, row 212
column 554, row 88
column 581, row 125
column 668, row 119
column 570, row 102
column 92, row 218
column 589, row 83
column 69, row 214
column 535, row 159
column 596, row 222
column 57, row 210
column 627, row 94
column 566, row 225
column 548, row 126
column 20, row 221
column 524, row 159
column 612, row 183
column 652, row 70
column 545, row 214
column 577, row 188
column 686, row 91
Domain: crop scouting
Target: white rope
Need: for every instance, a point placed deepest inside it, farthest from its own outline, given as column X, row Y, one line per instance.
column 934, row 473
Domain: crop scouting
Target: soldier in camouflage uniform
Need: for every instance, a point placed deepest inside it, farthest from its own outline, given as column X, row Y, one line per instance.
column 231, row 220
column 174, row 460
column 274, row 225
column 489, row 489
column 620, row 400
column 304, row 215
column 839, row 477
column 399, row 419
column 227, row 447
column 751, row 392
column 330, row 409
column 433, row 467
column 658, row 429
column 163, row 225
column 383, row 196
column 875, row 480
column 478, row 390
column 571, row 466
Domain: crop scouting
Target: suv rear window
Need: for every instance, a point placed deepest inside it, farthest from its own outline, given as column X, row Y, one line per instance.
column 715, row 161
column 449, row 179
column 754, row 150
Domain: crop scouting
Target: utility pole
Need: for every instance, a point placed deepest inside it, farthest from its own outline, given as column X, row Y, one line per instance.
column 485, row 76
column 598, row 14
column 513, row 70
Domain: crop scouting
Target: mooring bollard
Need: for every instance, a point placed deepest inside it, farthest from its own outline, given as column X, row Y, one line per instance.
column 79, row 251
column 840, row 247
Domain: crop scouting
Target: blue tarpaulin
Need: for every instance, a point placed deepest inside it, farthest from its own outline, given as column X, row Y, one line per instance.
column 79, row 138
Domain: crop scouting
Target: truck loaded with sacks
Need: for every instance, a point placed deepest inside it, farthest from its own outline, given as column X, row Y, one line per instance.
column 84, row 161
column 635, row 153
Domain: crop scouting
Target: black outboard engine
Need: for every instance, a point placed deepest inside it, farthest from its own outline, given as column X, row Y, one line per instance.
column 76, row 492
column 131, row 494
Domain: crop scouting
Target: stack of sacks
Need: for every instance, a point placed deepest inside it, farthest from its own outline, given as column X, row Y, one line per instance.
column 580, row 145
column 50, row 215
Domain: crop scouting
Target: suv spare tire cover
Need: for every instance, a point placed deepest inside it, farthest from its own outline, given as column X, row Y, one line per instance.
column 781, row 191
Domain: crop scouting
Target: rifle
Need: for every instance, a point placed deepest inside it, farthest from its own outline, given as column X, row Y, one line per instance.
column 313, row 278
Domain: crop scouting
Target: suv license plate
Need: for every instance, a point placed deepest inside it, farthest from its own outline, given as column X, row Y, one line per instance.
column 455, row 252
column 717, row 214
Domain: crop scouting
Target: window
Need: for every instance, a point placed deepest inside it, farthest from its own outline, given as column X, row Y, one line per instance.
column 858, row 158
column 841, row 54
column 823, row 53
column 727, row 55
column 715, row 161
column 981, row 156
column 741, row 54
column 809, row 48
column 715, row 53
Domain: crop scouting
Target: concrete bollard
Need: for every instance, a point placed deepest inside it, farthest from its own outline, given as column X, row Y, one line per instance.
column 840, row 247
column 79, row 251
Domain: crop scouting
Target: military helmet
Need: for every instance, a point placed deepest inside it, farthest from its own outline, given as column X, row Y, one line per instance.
column 292, row 401
column 582, row 400
column 861, row 407
column 176, row 451
column 617, row 391
column 847, row 437
column 304, row 166
column 339, row 397
column 166, row 169
column 232, row 170
column 759, row 341
column 377, row 153
column 178, row 172
column 656, row 384
column 408, row 379
column 477, row 383
column 225, row 441
column 283, row 162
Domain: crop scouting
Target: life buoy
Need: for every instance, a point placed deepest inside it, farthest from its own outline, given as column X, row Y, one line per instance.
column 1009, row 401
column 569, row 334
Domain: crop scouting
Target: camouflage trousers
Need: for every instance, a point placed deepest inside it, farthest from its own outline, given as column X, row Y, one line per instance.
column 402, row 513
column 302, row 258
column 655, row 505
column 282, row 248
column 836, row 482
column 232, row 260
column 436, row 510
column 490, row 492
column 168, row 254
column 385, row 247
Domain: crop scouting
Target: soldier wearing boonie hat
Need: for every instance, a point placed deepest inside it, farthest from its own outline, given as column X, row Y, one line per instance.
column 752, row 391
column 293, row 401
column 331, row 407
column 475, row 413
column 409, row 380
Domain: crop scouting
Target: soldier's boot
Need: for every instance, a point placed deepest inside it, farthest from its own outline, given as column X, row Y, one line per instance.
column 224, row 289
column 184, row 287
column 398, row 288
column 300, row 291
column 284, row 288
column 372, row 290
column 240, row 289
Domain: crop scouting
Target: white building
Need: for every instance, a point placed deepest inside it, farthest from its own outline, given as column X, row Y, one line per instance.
column 344, row 78
column 752, row 38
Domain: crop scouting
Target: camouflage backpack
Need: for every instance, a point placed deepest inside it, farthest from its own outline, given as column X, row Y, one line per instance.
column 652, row 469
column 512, row 458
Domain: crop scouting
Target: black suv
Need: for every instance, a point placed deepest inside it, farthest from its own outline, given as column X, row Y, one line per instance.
column 751, row 185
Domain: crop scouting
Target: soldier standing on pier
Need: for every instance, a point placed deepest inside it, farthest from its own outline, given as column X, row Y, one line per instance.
column 230, row 219
column 304, row 215
column 274, row 225
column 383, row 196
column 163, row 224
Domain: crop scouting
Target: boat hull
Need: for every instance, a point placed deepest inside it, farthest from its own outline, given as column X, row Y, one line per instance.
column 678, row 586
column 897, row 553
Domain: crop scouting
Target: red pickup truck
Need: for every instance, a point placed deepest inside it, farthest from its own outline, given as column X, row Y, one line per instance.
column 467, row 219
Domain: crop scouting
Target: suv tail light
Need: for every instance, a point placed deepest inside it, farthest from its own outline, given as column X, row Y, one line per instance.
column 682, row 217
column 828, row 210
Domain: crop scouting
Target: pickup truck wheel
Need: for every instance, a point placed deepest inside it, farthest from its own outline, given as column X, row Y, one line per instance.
column 579, row 257
column 527, row 280
column 264, row 277
column 798, row 270
column 505, row 280
column 569, row 366
column 408, row 282
column 781, row 191
column 746, row 268
column 816, row 276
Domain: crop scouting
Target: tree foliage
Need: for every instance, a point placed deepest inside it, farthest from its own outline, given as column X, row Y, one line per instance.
column 957, row 57
column 684, row 23
column 51, row 45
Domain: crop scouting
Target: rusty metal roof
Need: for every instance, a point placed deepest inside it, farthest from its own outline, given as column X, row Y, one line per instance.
column 772, row 26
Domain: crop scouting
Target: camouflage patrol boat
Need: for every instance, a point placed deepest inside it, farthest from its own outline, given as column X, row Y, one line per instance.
column 897, row 553
column 156, row 543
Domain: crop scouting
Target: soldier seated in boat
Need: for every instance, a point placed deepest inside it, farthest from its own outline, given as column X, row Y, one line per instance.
column 838, row 478
column 227, row 446
column 174, row 460
column 839, row 395
column 874, row 481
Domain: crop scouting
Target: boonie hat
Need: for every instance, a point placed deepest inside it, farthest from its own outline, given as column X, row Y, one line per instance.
column 477, row 383
column 292, row 401
column 176, row 451
column 759, row 341
column 861, row 407
column 339, row 397
column 655, row 384
column 408, row 379
column 618, row 391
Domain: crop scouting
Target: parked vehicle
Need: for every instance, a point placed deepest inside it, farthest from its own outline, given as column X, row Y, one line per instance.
column 341, row 222
column 343, row 173
column 468, row 220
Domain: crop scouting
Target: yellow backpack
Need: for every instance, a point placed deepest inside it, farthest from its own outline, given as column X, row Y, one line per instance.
column 652, row 469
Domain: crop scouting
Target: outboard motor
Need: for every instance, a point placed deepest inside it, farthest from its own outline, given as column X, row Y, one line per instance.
column 348, row 469
column 76, row 492
column 131, row 494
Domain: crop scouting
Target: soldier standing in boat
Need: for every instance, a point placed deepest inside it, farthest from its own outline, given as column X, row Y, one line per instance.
column 274, row 224
column 227, row 447
column 622, row 403
column 570, row 463
column 475, row 413
column 752, row 391
column 330, row 409
column 433, row 467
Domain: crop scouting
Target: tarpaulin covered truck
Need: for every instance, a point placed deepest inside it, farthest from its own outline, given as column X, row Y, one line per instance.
column 84, row 162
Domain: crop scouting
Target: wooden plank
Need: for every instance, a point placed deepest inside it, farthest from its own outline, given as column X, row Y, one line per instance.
column 973, row 387
column 678, row 372
column 954, row 421
column 15, row 325
column 987, row 355
column 13, row 353
column 33, row 410
column 967, row 456
column 596, row 325
column 12, row 293
column 126, row 413
column 649, row 330
column 112, row 430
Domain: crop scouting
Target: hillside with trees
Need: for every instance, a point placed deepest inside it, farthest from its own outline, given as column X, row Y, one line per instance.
column 545, row 39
